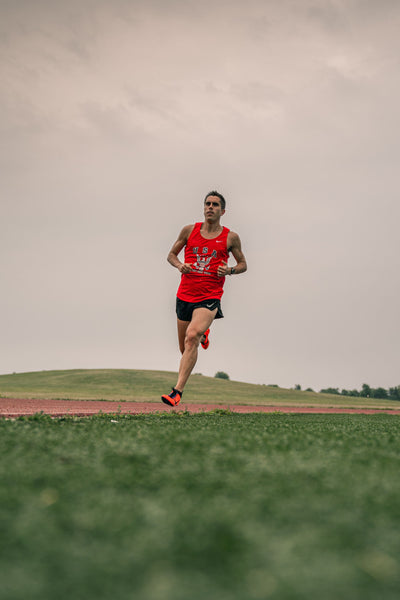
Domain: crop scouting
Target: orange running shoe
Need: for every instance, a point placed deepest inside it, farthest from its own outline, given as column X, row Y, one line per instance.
column 206, row 342
column 173, row 398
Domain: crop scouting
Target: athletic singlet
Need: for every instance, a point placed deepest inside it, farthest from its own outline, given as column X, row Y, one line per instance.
column 204, row 255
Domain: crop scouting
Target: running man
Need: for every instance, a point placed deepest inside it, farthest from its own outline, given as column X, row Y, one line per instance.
column 207, row 247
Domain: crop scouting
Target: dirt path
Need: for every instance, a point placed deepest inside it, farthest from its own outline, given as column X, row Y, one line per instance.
column 11, row 408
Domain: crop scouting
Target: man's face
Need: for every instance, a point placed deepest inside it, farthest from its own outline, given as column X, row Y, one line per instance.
column 212, row 209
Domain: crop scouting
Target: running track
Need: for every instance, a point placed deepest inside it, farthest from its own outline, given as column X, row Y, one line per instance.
column 12, row 408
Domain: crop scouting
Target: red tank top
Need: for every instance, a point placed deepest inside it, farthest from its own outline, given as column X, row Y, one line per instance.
column 204, row 255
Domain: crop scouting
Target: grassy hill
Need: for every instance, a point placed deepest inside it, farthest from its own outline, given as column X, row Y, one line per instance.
column 120, row 385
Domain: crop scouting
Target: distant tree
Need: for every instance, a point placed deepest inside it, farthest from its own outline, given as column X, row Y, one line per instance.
column 345, row 393
column 354, row 393
column 309, row 390
column 221, row 375
column 379, row 393
column 394, row 393
column 330, row 391
column 297, row 387
column 365, row 391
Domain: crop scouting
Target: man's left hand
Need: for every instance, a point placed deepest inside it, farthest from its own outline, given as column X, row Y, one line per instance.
column 223, row 269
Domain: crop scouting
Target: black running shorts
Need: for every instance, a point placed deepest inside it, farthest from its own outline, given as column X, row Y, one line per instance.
column 184, row 310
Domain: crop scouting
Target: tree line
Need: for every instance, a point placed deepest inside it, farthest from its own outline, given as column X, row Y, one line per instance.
column 367, row 391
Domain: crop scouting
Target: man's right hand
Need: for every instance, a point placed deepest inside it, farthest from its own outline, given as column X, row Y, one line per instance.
column 185, row 268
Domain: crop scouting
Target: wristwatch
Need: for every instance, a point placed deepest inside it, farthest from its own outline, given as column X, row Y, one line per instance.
column 232, row 270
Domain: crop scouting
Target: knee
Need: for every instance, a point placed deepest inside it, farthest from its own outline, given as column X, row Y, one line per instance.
column 192, row 337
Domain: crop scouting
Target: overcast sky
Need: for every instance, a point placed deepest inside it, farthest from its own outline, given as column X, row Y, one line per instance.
column 118, row 116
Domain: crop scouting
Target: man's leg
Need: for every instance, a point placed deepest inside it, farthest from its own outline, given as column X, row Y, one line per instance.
column 189, row 334
column 182, row 328
column 201, row 321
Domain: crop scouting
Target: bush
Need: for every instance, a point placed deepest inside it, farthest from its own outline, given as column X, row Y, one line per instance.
column 221, row 375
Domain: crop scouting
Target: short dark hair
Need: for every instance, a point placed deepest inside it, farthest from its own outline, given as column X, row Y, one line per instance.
column 218, row 195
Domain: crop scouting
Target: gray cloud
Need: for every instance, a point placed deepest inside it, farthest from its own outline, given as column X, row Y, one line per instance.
column 117, row 118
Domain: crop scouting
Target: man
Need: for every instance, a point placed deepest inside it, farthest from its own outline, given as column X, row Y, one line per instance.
column 207, row 247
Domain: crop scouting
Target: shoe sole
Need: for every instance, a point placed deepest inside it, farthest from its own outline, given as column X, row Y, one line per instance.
column 206, row 343
column 166, row 401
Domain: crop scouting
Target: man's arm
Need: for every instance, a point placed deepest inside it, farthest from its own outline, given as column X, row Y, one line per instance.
column 235, row 246
column 177, row 247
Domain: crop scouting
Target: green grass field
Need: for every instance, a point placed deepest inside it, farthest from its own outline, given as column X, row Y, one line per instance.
column 127, row 384
column 214, row 506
